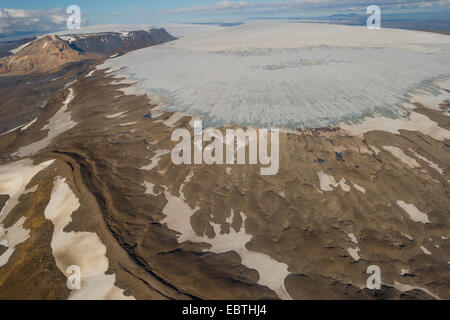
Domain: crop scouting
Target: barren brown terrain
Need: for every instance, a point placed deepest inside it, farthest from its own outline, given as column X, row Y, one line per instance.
column 334, row 208
column 47, row 54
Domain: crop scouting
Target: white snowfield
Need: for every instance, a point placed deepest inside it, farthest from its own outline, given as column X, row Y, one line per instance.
column 289, row 74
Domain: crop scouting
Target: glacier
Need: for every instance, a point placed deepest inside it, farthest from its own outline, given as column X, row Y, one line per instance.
column 288, row 74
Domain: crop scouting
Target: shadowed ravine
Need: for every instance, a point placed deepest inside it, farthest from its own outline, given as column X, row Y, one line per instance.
column 86, row 170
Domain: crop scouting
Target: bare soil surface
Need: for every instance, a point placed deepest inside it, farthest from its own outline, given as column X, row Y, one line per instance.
column 290, row 217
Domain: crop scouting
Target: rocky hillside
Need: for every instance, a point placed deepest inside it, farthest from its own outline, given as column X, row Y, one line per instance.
column 47, row 54
column 50, row 53
column 110, row 43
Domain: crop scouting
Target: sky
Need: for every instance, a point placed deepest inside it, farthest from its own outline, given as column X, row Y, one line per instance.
column 48, row 15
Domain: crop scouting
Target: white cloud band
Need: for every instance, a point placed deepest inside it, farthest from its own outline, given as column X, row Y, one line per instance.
column 18, row 20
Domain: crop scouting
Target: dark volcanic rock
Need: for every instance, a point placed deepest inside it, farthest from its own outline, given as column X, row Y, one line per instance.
column 112, row 42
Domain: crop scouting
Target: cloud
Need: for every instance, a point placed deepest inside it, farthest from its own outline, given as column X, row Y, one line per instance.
column 300, row 5
column 18, row 20
column 219, row 6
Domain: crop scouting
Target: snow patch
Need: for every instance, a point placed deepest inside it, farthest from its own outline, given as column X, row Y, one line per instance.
column 416, row 122
column 90, row 73
column 149, row 188
column 425, row 250
column 359, row 188
column 14, row 178
column 116, row 115
column 83, row 249
column 56, row 125
column 354, row 253
column 12, row 237
column 12, row 130
column 404, row 288
column 430, row 163
column 415, row 214
column 353, row 237
column 29, row 124
column 155, row 160
column 398, row 153
column 407, row 236
column 127, row 124
column 327, row 182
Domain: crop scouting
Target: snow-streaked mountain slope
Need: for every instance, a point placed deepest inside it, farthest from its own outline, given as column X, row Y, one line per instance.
column 288, row 74
column 46, row 54
column 178, row 30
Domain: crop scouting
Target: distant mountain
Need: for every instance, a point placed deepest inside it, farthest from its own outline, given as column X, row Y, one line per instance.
column 111, row 43
column 46, row 54
column 49, row 53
